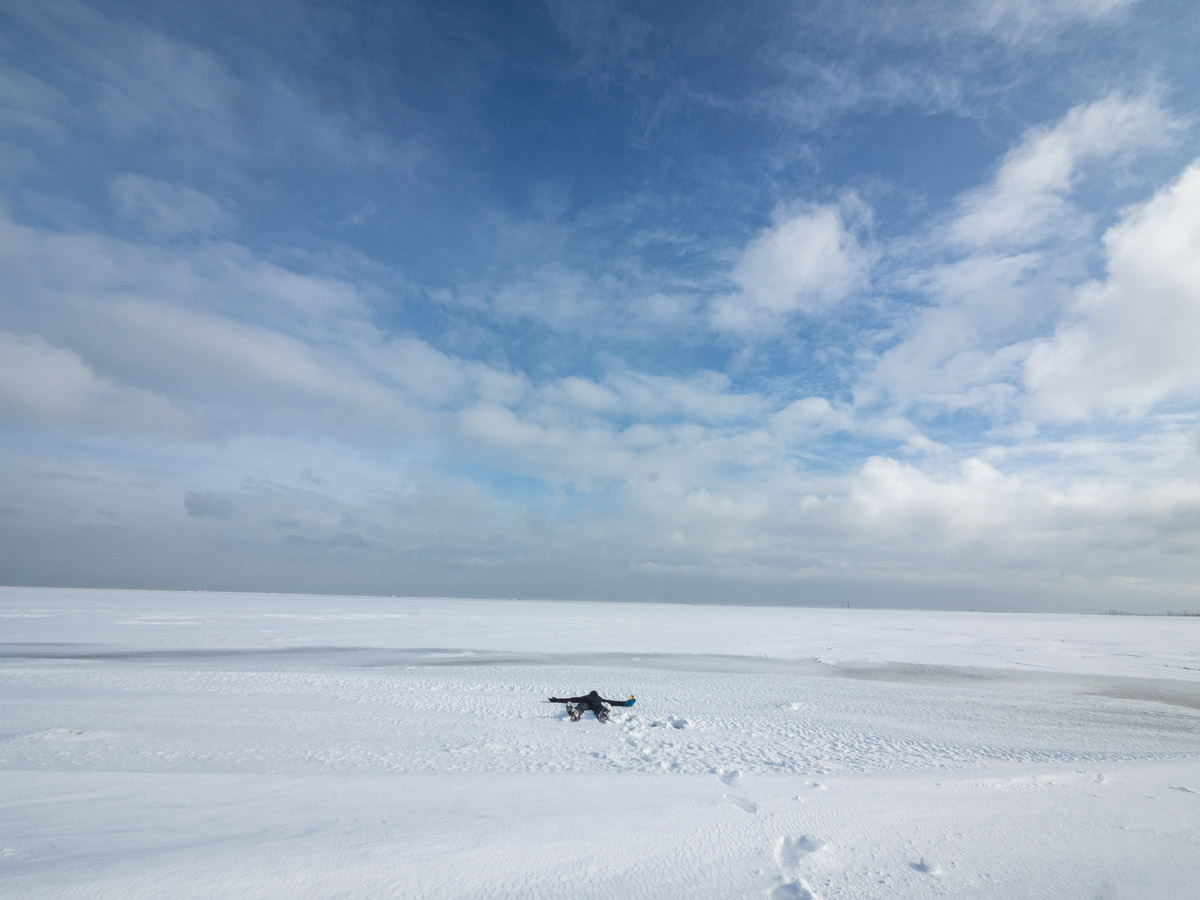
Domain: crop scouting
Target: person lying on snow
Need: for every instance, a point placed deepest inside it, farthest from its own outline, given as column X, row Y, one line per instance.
column 592, row 701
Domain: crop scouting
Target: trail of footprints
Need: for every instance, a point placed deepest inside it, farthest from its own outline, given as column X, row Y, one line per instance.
column 790, row 852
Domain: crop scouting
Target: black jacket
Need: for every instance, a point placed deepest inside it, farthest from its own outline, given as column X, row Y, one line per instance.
column 592, row 701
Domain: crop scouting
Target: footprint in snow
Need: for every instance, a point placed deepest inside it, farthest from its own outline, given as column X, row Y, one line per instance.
column 792, row 890
column 790, row 850
column 672, row 722
column 728, row 777
column 741, row 802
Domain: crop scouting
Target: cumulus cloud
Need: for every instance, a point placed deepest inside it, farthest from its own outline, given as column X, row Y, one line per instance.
column 1130, row 341
column 1027, row 200
column 806, row 262
column 811, row 417
column 1017, row 246
column 587, row 396
column 965, row 350
column 889, row 498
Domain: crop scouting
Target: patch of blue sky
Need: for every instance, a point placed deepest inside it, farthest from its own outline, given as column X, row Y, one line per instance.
column 910, row 163
column 501, row 483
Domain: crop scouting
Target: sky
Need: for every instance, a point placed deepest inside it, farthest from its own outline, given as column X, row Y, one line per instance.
column 835, row 303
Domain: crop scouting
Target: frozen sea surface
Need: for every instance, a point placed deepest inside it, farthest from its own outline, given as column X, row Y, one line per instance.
column 207, row 745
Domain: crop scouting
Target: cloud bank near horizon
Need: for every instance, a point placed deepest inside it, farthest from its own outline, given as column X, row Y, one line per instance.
column 573, row 300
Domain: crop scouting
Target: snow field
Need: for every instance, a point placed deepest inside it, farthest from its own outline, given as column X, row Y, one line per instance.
column 356, row 750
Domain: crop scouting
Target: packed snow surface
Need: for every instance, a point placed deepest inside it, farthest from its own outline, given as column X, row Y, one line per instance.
column 215, row 745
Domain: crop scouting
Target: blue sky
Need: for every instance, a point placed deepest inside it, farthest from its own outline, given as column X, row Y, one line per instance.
column 825, row 302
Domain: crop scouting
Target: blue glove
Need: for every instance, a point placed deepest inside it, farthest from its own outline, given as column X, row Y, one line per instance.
column 629, row 702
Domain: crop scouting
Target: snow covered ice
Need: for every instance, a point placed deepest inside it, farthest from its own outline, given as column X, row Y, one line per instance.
column 213, row 745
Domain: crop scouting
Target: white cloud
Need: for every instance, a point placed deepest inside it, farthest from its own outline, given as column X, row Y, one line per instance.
column 562, row 299
column 1010, row 21
column 132, row 84
column 965, row 350
column 1026, row 19
column 888, row 498
column 169, row 210
column 1027, row 200
column 583, row 395
column 655, row 436
column 579, row 429
column 206, row 355
column 245, row 344
column 806, row 262
column 1132, row 339
column 931, row 56
column 434, row 379
column 29, row 104
column 42, row 384
column 813, row 91
column 810, row 417
column 1105, row 514
column 500, row 427
column 703, row 397
column 49, row 271
column 624, row 302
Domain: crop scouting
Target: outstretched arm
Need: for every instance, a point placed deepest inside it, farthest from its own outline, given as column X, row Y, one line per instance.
column 628, row 702
column 566, row 699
